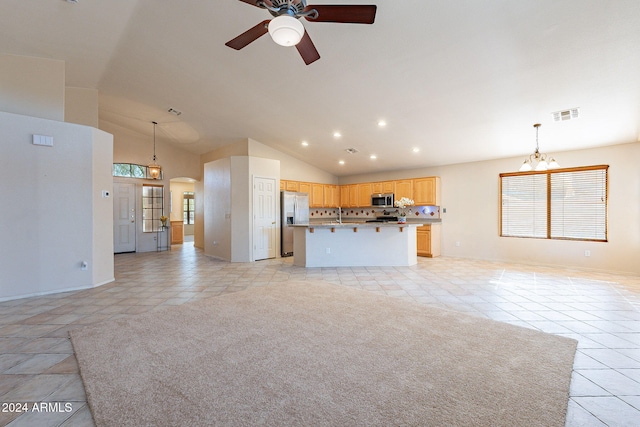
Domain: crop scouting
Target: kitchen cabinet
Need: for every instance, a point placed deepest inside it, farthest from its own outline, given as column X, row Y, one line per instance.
column 344, row 196
column 384, row 187
column 403, row 188
column 331, row 196
column 353, row 195
column 305, row 187
column 292, row 186
column 316, row 197
column 364, row 195
column 283, row 185
column 428, row 240
column 426, row 191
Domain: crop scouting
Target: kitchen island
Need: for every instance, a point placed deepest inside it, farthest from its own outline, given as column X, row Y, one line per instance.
column 354, row 244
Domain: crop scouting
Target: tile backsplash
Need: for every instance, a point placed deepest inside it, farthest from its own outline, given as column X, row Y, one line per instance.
column 417, row 212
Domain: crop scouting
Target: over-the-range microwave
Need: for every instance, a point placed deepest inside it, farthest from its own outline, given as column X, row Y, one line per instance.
column 382, row 200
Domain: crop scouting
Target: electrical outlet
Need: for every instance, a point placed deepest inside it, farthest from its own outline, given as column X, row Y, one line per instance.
column 587, row 253
column 328, row 250
column 457, row 243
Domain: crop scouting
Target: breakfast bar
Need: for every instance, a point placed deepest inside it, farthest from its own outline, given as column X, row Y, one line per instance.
column 354, row 244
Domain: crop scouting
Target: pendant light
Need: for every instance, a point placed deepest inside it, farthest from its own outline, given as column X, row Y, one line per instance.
column 154, row 168
column 538, row 161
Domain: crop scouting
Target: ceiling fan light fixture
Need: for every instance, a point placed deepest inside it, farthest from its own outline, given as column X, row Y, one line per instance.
column 286, row 30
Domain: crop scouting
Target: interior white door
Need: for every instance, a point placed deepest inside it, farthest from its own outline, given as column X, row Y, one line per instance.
column 264, row 218
column 124, row 217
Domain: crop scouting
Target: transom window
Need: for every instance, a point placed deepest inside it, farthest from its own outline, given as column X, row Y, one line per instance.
column 130, row 170
column 555, row 204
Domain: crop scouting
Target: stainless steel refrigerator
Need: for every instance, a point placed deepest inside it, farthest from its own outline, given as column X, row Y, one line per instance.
column 294, row 208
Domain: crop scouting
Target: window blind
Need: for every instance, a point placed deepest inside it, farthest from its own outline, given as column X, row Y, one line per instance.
column 555, row 204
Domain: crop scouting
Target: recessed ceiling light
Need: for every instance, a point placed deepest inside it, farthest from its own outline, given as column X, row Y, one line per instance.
column 305, row 143
column 382, row 123
column 341, row 162
column 337, row 134
column 415, row 149
column 373, row 157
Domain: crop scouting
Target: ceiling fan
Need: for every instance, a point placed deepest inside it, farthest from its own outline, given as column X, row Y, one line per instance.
column 287, row 30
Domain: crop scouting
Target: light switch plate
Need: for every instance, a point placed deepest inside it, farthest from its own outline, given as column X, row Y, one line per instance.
column 45, row 140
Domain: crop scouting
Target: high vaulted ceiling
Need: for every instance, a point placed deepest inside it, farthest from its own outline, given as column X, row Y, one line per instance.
column 462, row 80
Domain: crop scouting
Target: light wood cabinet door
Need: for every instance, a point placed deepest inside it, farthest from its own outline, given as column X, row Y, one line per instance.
column 426, row 191
column 364, row 194
column 316, row 198
column 383, row 187
column 305, row 187
column 428, row 240
column 293, row 186
column 353, row 195
column 283, row 184
column 403, row 188
column 344, row 196
column 423, row 241
column 331, row 196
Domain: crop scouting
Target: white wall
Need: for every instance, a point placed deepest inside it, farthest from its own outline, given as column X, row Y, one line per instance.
column 217, row 208
column 470, row 194
column 52, row 210
column 32, row 86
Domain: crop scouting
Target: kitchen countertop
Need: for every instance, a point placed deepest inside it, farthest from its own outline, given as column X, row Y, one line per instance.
column 356, row 224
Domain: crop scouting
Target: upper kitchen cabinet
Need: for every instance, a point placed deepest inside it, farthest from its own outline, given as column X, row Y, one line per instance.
column 403, row 188
column 364, row 195
column 426, row 191
column 331, row 196
column 383, row 187
column 289, row 185
column 316, row 197
column 305, row 187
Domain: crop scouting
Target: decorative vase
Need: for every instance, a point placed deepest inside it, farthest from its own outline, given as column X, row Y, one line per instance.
column 402, row 220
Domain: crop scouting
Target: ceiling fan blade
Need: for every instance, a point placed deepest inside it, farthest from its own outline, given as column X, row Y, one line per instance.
column 255, row 2
column 249, row 36
column 346, row 14
column 307, row 49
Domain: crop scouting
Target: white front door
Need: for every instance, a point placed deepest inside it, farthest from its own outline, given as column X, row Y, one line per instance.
column 124, row 218
column 264, row 218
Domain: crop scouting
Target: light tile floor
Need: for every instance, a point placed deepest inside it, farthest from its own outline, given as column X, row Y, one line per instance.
column 601, row 311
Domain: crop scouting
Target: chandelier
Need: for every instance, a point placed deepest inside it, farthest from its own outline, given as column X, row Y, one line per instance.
column 538, row 161
column 154, row 168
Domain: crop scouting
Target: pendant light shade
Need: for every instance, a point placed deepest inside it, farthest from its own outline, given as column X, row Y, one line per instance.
column 286, row 30
column 538, row 161
column 154, row 168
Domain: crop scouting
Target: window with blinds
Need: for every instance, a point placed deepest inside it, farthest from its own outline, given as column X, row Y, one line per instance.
column 555, row 204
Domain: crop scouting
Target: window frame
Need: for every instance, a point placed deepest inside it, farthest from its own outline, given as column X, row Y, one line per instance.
column 549, row 204
column 153, row 219
column 186, row 197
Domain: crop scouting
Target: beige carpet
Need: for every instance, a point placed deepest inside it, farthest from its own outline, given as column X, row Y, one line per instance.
column 314, row 354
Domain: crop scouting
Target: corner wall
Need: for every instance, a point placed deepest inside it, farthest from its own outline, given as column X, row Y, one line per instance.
column 54, row 217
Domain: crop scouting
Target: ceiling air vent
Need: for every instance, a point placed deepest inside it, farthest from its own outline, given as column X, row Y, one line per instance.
column 351, row 150
column 561, row 116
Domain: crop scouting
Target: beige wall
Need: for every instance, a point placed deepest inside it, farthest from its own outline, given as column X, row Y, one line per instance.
column 290, row 167
column 32, row 86
column 177, row 199
column 470, row 194
column 81, row 106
